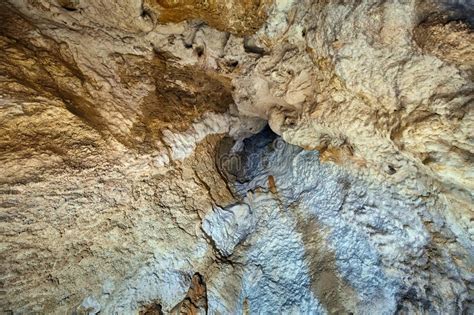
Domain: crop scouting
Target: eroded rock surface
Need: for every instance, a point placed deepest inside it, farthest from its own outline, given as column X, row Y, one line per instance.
column 139, row 174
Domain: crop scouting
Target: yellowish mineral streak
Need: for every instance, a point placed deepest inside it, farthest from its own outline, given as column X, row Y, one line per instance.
column 240, row 17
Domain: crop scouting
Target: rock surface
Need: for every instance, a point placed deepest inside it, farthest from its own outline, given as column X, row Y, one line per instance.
column 138, row 174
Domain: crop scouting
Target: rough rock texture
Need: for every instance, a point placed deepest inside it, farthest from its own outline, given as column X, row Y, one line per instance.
column 138, row 176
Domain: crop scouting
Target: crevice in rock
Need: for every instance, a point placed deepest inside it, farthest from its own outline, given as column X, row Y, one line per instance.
column 69, row 5
column 151, row 309
column 195, row 301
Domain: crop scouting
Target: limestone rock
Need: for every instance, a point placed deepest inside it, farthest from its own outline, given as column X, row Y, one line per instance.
column 139, row 174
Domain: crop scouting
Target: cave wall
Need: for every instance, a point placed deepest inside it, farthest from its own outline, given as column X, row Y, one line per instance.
column 139, row 174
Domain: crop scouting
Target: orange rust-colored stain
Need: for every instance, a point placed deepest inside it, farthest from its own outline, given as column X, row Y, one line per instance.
column 338, row 155
column 272, row 185
column 331, row 155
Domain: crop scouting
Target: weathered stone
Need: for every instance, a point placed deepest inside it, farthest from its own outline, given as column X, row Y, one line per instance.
column 138, row 175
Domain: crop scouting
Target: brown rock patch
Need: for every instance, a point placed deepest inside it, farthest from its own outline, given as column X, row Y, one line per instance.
column 196, row 299
column 240, row 17
column 181, row 96
column 451, row 41
column 326, row 283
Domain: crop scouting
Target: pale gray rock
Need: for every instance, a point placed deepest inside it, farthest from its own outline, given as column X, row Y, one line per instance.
column 90, row 306
column 229, row 226
column 379, row 239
